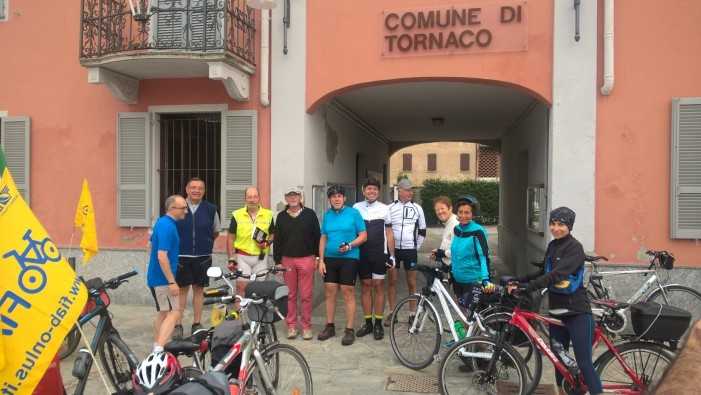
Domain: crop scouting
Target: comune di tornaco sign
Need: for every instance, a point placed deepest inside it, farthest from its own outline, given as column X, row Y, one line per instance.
column 455, row 29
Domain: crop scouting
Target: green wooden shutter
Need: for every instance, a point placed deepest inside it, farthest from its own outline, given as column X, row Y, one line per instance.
column 686, row 169
column 239, row 159
column 133, row 175
column 14, row 138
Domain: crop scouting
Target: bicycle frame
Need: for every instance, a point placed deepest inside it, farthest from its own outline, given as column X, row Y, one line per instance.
column 654, row 279
column 520, row 319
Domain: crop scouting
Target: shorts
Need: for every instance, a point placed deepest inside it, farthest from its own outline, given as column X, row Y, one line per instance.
column 250, row 264
column 468, row 295
column 164, row 300
column 341, row 271
column 372, row 266
column 193, row 271
column 408, row 256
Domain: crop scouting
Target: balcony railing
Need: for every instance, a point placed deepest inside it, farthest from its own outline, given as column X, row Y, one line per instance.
column 195, row 26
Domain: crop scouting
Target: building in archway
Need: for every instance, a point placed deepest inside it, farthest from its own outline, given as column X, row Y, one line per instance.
column 312, row 93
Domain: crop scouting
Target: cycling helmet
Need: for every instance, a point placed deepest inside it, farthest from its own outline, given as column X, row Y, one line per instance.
column 334, row 189
column 471, row 200
column 157, row 374
column 371, row 181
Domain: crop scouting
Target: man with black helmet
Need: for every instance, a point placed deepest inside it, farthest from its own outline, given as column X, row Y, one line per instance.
column 373, row 257
column 409, row 227
column 342, row 231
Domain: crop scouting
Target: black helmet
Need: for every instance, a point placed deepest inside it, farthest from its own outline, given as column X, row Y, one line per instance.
column 371, row 181
column 334, row 189
column 469, row 199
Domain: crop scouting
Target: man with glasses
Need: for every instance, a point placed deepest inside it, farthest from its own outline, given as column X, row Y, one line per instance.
column 197, row 233
column 162, row 266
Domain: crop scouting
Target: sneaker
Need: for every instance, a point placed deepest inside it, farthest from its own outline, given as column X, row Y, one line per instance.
column 195, row 328
column 307, row 334
column 379, row 332
column 387, row 321
column 448, row 344
column 329, row 331
column 366, row 329
column 411, row 319
column 348, row 338
column 177, row 332
column 291, row 333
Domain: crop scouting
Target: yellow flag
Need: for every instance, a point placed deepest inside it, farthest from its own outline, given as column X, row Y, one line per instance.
column 40, row 295
column 85, row 219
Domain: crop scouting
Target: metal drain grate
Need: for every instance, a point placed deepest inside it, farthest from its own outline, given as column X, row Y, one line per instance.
column 412, row 383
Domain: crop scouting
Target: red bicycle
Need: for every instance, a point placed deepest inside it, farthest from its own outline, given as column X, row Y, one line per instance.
column 492, row 365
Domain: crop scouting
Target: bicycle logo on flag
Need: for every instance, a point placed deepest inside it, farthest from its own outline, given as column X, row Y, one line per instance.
column 32, row 278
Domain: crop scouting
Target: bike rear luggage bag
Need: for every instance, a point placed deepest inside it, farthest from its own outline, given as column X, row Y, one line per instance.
column 226, row 334
column 271, row 291
column 654, row 321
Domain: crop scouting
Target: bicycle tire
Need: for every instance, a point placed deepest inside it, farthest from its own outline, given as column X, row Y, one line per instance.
column 118, row 361
column 287, row 369
column 462, row 374
column 679, row 296
column 415, row 350
column 70, row 343
column 648, row 361
column 522, row 344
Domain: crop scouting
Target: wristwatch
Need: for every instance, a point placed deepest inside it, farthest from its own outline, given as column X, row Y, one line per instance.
column 171, row 283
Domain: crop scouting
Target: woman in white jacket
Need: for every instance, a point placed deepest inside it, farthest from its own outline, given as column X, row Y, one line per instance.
column 443, row 207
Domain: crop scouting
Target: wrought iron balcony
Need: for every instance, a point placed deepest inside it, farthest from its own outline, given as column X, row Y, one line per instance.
column 168, row 39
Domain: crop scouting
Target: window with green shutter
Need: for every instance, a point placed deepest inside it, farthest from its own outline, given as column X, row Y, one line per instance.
column 685, row 210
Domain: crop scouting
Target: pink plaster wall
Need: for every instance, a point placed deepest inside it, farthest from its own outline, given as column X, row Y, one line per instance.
column 344, row 41
column 657, row 58
column 73, row 123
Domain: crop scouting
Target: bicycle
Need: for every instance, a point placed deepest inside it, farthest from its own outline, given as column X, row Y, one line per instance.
column 415, row 335
column 671, row 294
column 628, row 368
column 198, row 346
column 116, row 357
column 266, row 367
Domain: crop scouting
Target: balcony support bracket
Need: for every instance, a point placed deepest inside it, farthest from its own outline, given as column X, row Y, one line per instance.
column 123, row 88
column 236, row 82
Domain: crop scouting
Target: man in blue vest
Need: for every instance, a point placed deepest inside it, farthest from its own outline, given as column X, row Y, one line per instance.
column 197, row 233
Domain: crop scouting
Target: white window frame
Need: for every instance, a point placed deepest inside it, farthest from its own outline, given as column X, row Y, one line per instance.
column 685, row 188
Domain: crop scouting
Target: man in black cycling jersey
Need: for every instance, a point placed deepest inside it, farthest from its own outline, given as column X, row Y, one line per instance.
column 373, row 257
column 409, row 227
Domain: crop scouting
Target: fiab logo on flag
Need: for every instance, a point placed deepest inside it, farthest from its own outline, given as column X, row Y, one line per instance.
column 40, row 296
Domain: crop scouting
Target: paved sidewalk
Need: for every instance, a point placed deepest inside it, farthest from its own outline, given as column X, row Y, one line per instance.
column 362, row 368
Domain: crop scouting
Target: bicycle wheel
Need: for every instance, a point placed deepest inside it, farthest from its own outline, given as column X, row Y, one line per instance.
column 287, row 370
column 470, row 367
column 522, row 344
column 679, row 296
column 70, row 343
column 415, row 350
column 118, row 361
column 647, row 360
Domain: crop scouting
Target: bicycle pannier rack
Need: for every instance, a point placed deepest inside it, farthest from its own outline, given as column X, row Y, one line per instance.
column 271, row 291
column 654, row 321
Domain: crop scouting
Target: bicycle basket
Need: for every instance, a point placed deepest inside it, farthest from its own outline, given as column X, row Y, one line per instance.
column 91, row 305
column 270, row 291
column 666, row 260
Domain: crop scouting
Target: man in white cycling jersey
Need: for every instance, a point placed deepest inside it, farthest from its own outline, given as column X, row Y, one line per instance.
column 373, row 257
column 409, row 228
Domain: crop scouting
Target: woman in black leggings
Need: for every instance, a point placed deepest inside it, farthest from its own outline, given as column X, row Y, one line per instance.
column 562, row 274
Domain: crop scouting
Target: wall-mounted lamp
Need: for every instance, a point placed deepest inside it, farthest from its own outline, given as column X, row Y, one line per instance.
column 142, row 11
column 438, row 121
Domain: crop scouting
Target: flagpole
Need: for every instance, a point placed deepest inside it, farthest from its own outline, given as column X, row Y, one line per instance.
column 70, row 245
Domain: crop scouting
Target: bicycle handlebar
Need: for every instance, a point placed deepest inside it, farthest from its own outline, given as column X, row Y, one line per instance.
column 239, row 273
column 97, row 283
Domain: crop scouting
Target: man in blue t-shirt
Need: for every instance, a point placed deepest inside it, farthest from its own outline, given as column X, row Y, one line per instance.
column 162, row 266
column 342, row 231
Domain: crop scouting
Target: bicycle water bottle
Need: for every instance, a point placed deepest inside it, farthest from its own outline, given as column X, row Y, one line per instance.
column 460, row 329
column 560, row 351
column 80, row 366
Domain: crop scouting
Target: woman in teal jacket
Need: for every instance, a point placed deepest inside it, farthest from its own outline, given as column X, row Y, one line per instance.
column 470, row 255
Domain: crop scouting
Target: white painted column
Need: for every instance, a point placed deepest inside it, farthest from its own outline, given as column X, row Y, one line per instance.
column 572, row 147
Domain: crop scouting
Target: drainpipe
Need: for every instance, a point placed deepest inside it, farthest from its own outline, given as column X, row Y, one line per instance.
column 608, row 48
column 265, row 58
